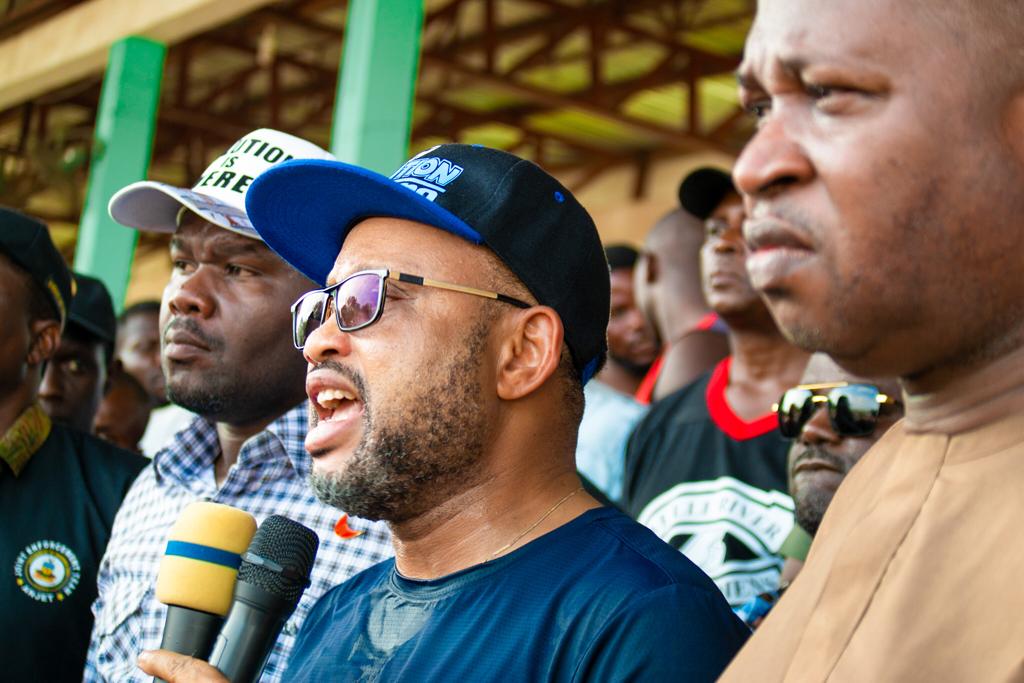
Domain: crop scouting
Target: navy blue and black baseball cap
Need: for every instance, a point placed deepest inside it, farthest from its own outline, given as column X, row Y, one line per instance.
column 703, row 190
column 304, row 209
column 26, row 241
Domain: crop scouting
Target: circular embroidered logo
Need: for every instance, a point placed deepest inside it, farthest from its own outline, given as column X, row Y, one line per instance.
column 47, row 571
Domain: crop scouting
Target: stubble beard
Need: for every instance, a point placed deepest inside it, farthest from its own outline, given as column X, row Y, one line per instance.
column 634, row 368
column 811, row 501
column 421, row 456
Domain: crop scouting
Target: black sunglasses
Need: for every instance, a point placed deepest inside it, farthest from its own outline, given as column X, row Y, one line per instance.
column 358, row 301
column 853, row 409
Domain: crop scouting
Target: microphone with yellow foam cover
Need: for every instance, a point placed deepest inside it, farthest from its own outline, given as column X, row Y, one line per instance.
column 198, row 573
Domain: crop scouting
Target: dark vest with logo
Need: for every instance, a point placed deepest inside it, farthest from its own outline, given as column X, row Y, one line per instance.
column 56, row 519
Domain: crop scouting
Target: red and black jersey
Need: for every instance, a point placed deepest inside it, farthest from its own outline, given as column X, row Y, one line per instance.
column 713, row 485
column 645, row 392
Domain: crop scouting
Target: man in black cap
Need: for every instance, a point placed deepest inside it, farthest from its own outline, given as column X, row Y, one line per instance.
column 75, row 379
column 59, row 488
column 706, row 468
column 466, row 307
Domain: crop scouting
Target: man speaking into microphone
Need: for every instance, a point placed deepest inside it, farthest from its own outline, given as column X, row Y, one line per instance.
column 466, row 305
column 227, row 356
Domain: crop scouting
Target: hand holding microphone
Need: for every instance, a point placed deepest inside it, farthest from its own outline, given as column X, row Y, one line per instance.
column 175, row 668
column 271, row 578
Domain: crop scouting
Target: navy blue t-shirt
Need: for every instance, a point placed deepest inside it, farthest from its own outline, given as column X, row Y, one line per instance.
column 598, row 599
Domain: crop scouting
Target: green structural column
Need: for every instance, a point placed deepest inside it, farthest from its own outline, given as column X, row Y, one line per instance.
column 123, row 143
column 376, row 83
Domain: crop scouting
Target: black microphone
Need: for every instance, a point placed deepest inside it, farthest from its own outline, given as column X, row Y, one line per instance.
column 273, row 576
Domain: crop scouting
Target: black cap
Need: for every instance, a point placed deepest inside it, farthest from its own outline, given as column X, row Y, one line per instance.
column 305, row 208
column 26, row 241
column 621, row 256
column 92, row 309
column 703, row 190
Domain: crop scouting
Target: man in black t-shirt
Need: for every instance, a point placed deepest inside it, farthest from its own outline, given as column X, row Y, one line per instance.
column 59, row 489
column 706, row 469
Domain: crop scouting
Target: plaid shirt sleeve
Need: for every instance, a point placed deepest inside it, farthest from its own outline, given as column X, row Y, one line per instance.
column 268, row 478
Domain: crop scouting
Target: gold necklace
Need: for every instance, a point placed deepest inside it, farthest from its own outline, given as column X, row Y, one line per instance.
column 533, row 526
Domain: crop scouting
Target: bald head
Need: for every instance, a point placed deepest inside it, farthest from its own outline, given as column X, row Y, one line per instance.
column 676, row 239
column 677, row 235
column 668, row 271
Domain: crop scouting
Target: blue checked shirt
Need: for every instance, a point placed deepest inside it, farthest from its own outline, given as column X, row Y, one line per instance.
column 268, row 478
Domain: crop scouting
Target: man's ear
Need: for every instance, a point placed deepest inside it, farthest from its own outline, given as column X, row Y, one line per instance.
column 652, row 268
column 530, row 352
column 45, row 340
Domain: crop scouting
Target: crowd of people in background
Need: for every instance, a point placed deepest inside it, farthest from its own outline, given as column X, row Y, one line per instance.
column 794, row 411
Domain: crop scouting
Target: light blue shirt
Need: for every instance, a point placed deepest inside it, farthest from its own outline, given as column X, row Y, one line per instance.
column 608, row 420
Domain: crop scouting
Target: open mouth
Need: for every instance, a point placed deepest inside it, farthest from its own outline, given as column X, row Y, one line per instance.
column 338, row 414
column 333, row 405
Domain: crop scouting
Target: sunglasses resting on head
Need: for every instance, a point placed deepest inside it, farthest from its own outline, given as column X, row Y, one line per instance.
column 853, row 409
column 358, row 301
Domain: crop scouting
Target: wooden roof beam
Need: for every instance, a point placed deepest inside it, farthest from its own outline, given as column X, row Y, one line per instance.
column 20, row 17
column 77, row 41
column 675, row 139
column 565, row 19
column 469, row 118
column 302, row 22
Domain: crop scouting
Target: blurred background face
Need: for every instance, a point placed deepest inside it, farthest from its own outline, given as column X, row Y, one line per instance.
column 723, row 257
column 643, row 291
column 631, row 342
column 123, row 413
column 820, row 459
column 138, row 349
column 75, row 380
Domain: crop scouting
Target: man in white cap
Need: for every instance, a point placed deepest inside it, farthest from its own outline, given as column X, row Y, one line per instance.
column 227, row 356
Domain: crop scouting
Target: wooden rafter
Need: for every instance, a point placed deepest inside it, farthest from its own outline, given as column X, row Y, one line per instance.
column 19, row 16
column 472, row 49
column 676, row 139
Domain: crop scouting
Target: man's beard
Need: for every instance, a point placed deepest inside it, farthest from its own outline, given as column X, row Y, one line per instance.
column 205, row 400
column 632, row 367
column 225, row 393
column 810, row 509
column 422, row 455
column 810, row 501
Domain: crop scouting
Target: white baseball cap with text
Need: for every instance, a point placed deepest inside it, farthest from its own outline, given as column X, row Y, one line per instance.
column 219, row 195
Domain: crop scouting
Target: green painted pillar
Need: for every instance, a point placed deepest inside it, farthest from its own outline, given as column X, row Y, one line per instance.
column 376, row 83
column 123, row 143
